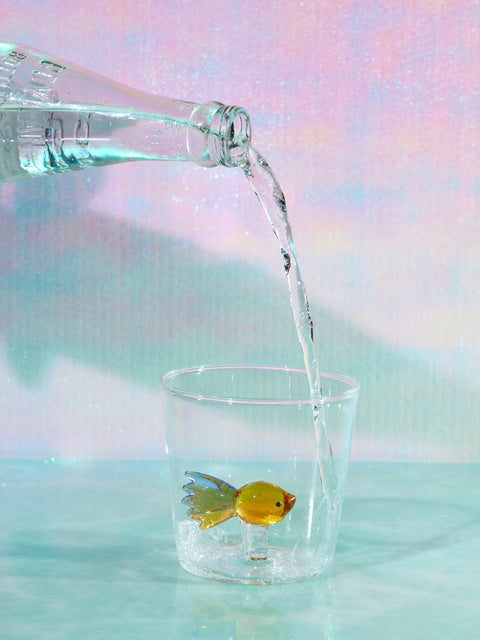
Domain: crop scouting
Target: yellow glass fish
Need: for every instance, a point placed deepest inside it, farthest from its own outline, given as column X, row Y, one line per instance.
column 213, row 501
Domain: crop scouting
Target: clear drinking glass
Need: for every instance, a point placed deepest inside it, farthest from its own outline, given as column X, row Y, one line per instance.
column 241, row 444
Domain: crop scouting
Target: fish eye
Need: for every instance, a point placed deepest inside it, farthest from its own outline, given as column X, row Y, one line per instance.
column 278, row 504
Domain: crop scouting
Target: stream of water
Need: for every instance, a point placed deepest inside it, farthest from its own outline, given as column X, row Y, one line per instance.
column 272, row 199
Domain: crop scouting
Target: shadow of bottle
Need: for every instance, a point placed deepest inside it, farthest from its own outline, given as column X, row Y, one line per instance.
column 99, row 290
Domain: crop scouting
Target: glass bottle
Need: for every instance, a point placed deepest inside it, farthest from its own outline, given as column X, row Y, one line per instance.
column 56, row 117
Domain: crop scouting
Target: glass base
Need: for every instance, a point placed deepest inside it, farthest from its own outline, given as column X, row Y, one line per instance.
column 210, row 557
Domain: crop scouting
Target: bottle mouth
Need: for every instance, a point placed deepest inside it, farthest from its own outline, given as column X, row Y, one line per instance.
column 221, row 135
column 233, row 132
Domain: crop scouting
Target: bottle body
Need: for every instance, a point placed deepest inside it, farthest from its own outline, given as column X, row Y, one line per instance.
column 56, row 117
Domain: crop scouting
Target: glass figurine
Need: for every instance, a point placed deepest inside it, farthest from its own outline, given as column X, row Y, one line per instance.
column 213, row 501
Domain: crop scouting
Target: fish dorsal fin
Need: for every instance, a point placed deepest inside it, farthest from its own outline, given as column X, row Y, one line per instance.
column 210, row 499
column 208, row 482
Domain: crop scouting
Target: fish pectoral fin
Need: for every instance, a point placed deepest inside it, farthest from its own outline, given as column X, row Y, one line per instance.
column 209, row 520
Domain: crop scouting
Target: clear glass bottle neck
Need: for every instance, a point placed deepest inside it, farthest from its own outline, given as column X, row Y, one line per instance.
column 217, row 131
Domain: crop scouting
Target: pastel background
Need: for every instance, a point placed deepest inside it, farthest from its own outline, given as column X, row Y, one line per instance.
column 368, row 113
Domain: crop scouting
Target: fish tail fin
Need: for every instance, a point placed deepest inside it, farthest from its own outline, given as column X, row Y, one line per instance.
column 209, row 520
column 210, row 500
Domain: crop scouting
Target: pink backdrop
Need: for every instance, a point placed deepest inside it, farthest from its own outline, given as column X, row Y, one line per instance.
column 368, row 112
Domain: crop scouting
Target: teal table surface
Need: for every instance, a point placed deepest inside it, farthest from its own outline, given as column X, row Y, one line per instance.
column 87, row 552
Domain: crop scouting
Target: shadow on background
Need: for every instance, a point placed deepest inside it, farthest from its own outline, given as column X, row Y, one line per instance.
column 99, row 290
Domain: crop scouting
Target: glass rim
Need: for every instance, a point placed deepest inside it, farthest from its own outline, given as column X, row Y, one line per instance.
column 168, row 378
